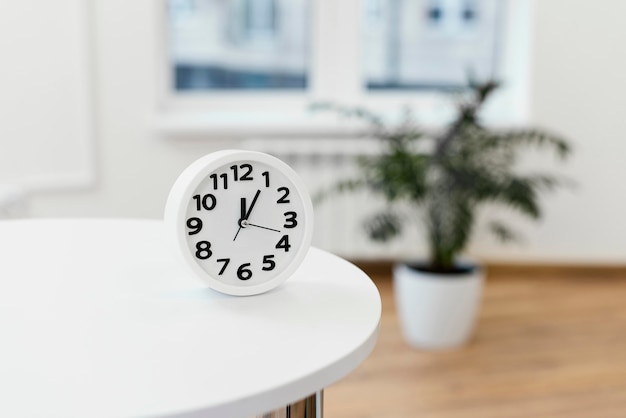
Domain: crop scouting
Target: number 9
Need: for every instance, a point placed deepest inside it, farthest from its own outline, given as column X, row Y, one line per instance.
column 195, row 224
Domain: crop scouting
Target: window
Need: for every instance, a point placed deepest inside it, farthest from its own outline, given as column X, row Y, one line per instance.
column 239, row 44
column 260, row 63
column 429, row 44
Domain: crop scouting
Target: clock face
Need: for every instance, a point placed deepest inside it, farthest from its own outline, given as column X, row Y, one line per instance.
column 243, row 220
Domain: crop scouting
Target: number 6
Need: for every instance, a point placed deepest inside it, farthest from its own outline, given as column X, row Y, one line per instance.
column 243, row 272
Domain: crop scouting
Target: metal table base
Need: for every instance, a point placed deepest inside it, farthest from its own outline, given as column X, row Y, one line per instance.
column 309, row 407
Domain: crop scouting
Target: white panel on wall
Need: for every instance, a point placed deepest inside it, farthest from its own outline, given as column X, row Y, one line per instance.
column 46, row 134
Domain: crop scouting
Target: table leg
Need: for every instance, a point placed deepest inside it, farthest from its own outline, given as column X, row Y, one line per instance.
column 309, row 407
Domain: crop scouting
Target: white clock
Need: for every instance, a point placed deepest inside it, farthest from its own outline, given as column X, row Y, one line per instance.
column 241, row 220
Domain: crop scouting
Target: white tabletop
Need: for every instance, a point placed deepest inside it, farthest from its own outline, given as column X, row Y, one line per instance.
column 99, row 318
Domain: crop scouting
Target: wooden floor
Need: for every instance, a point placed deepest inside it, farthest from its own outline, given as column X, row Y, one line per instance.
column 552, row 345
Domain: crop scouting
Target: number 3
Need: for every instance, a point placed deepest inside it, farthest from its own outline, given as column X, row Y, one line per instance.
column 290, row 222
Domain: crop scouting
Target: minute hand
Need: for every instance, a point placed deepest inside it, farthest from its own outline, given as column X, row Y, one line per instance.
column 256, row 196
column 260, row 226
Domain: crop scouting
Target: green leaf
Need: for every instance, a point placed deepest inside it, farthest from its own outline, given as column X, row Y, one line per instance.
column 503, row 233
column 397, row 175
column 521, row 194
column 532, row 137
column 383, row 226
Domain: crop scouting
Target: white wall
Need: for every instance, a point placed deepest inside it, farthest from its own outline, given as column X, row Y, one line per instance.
column 134, row 167
column 578, row 88
column 578, row 85
column 46, row 124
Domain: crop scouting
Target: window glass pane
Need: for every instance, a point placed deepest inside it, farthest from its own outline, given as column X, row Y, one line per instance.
column 239, row 44
column 429, row 43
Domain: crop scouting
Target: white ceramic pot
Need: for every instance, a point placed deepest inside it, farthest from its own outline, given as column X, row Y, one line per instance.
column 437, row 311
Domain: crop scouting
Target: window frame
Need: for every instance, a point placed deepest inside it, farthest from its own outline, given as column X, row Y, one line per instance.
column 335, row 59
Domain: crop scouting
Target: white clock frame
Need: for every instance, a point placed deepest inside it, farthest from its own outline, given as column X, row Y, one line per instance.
column 180, row 197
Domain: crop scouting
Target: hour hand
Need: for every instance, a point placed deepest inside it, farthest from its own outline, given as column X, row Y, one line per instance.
column 243, row 209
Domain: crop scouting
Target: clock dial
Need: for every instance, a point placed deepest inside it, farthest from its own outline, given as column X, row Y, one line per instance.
column 243, row 221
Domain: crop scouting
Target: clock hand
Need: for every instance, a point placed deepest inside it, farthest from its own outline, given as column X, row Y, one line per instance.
column 239, row 229
column 246, row 223
column 245, row 214
column 243, row 208
column 256, row 196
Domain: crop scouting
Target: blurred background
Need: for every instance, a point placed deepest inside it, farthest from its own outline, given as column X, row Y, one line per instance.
column 105, row 102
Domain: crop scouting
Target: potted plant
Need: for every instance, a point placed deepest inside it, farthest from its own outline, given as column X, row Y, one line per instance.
column 444, row 178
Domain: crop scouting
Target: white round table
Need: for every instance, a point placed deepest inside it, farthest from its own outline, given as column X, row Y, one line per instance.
column 98, row 318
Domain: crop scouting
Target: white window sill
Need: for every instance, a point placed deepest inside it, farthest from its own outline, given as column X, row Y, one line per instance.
column 304, row 123
column 246, row 124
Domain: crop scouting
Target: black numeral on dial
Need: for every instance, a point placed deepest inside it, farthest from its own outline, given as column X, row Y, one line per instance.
column 225, row 261
column 266, row 174
column 203, row 250
column 195, row 225
column 283, row 198
column 284, row 243
column 243, row 272
column 290, row 221
column 216, row 182
column 268, row 263
column 206, row 202
column 246, row 170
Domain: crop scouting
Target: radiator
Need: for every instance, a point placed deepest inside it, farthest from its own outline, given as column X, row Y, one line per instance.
column 338, row 218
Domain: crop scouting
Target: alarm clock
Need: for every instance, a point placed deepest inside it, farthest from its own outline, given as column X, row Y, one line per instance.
column 242, row 221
